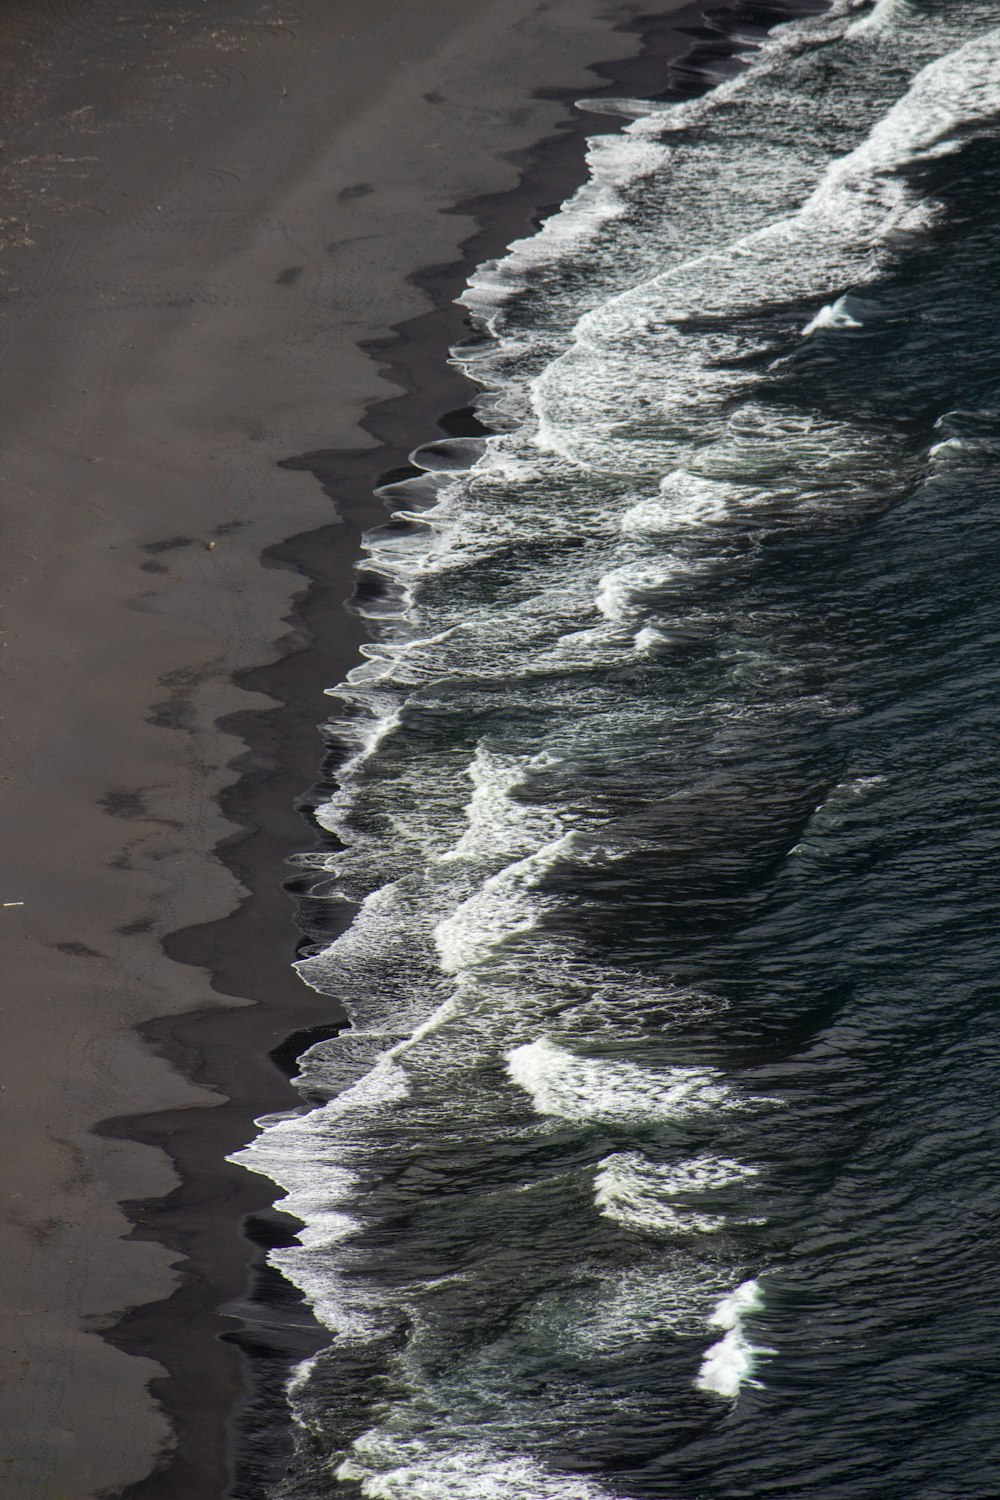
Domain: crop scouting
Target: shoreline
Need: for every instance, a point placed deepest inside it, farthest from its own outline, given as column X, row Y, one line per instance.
column 183, row 481
column 276, row 1328
column 273, row 1326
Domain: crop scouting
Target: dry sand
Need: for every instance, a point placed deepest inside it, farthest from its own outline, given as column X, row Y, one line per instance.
column 204, row 210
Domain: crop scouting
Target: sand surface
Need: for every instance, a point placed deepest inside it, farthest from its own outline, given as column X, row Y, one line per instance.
column 205, row 209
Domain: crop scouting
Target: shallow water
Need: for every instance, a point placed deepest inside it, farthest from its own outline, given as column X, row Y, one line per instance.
column 660, row 1158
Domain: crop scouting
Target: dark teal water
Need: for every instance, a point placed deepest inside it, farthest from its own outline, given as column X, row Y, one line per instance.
column 662, row 1157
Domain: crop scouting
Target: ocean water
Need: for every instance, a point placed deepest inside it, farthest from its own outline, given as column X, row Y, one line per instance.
column 662, row 1156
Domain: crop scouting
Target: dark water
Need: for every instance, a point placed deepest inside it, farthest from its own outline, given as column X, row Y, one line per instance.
column 663, row 1157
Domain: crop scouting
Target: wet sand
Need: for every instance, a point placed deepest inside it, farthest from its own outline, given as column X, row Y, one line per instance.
column 211, row 222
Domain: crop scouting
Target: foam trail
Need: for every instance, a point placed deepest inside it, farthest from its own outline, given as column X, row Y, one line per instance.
column 642, row 1195
column 414, row 1469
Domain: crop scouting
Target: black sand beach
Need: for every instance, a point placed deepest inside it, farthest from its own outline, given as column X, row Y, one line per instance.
column 229, row 248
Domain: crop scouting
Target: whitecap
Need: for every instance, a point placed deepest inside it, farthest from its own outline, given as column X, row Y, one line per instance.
column 590, row 1089
column 641, row 1195
column 729, row 1364
column 833, row 315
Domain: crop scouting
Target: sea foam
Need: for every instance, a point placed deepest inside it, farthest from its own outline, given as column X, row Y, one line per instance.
column 595, row 1089
column 730, row 1364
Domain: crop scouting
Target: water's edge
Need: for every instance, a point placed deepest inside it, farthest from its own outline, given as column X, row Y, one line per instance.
column 249, row 952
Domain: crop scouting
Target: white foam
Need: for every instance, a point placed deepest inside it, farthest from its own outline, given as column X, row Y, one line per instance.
column 620, row 594
column 653, row 372
column 883, row 15
column 499, row 826
column 373, row 962
column 295, row 1152
column 669, row 1296
column 410, row 661
column 653, row 369
column 860, row 786
column 393, row 1467
column 639, row 1194
column 614, row 163
column 504, row 908
column 591, row 1089
column 729, row 1364
column 370, row 735
column 834, row 315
